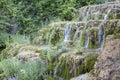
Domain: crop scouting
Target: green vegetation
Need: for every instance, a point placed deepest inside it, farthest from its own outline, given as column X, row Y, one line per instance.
column 112, row 29
column 117, row 36
column 28, row 16
column 31, row 48
column 30, row 70
column 93, row 38
column 68, row 69
column 82, row 38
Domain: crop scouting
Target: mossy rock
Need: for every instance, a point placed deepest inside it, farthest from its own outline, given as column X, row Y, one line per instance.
column 56, row 35
column 117, row 36
column 82, row 38
column 50, row 77
column 42, row 36
column 114, row 14
column 93, row 38
column 10, row 51
column 112, row 27
column 69, row 68
column 20, row 51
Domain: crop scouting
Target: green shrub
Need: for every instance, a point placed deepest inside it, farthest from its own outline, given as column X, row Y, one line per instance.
column 17, row 38
column 4, row 38
column 30, row 70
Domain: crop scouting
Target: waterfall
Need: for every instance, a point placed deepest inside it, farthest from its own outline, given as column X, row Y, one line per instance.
column 101, row 31
column 101, row 36
column 115, row 12
column 85, row 17
column 12, row 78
column 67, row 32
column 86, row 39
column 106, row 16
column 86, row 34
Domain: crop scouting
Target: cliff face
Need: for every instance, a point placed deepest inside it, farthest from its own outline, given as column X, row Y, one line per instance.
column 108, row 64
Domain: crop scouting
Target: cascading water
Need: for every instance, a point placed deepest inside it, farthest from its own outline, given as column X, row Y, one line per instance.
column 101, row 31
column 85, row 21
column 86, row 39
column 101, row 36
column 106, row 16
column 67, row 32
column 85, row 17
column 115, row 10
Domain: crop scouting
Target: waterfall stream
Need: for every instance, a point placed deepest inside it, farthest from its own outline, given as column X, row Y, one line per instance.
column 67, row 32
column 77, row 31
column 85, row 17
column 101, row 31
column 100, row 28
column 86, row 39
column 85, row 22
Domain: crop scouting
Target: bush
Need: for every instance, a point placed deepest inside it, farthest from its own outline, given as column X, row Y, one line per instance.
column 30, row 70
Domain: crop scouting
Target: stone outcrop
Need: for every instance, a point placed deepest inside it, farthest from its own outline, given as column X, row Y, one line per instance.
column 108, row 64
column 21, row 52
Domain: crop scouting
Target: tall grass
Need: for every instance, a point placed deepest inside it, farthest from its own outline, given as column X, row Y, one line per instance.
column 30, row 70
column 6, row 39
column 20, row 38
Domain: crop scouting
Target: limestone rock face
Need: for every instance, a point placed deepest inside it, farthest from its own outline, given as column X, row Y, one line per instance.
column 108, row 64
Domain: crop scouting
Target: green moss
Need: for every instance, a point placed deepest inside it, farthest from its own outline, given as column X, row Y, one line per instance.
column 50, row 78
column 111, row 15
column 113, row 12
column 50, row 68
column 82, row 39
column 64, row 69
column 112, row 28
column 2, row 75
column 93, row 38
column 10, row 51
column 117, row 36
column 67, row 71
column 90, row 61
column 117, row 14
column 56, row 35
column 42, row 36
